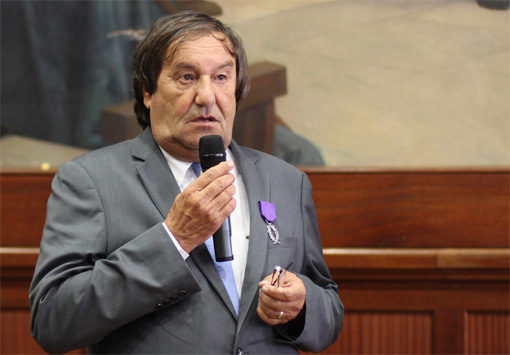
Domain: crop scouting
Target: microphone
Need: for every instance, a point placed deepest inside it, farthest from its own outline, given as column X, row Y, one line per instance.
column 212, row 152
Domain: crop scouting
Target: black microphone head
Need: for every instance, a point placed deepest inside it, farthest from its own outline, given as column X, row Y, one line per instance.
column 212, row 151
column 211, row 144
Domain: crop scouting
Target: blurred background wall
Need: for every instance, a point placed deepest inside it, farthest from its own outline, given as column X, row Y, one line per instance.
column 371, row 83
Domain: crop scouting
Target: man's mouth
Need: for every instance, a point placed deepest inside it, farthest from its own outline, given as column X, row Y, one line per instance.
column 202, row 119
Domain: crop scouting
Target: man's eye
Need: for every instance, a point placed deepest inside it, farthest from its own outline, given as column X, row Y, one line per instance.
column 186, row 77
column 221, row 77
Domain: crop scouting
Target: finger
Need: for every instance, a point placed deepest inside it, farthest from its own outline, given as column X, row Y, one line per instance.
column 269, row 304
column 194, row 217
column 213, row 195
column 265, row 281
column 290, row 298
column 271, row 320
column 280, row 294
column 292, row 289
column 199, row 197
column 279, row 315
column 219, row 194
column 212, row 174
column 272, row 316
column 268, row 315
column 272, row 307
column 219, row 209
column 264, row 317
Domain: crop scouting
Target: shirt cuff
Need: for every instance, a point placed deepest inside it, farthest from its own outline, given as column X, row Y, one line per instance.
column 176, row 243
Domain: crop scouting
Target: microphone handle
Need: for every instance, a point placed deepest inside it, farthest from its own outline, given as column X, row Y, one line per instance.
column 223, row 237
column 223, row 243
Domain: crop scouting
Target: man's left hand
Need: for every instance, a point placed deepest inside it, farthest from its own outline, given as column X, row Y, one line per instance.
column 279, row 305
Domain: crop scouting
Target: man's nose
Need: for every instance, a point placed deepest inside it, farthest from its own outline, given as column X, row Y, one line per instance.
column 204, row 92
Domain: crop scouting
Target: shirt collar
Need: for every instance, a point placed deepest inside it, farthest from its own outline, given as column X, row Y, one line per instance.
column 179, row 167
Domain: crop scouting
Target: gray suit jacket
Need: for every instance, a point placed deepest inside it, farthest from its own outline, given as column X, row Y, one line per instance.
column 109, row 278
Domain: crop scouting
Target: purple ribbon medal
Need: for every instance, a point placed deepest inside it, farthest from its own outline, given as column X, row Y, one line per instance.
column 268, row 213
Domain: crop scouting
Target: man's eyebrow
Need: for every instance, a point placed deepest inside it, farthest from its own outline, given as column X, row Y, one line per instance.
column 186, row 65
column 229, row 63
column 183, row 65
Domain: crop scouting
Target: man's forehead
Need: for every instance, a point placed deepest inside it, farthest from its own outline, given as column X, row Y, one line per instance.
column 184, row 44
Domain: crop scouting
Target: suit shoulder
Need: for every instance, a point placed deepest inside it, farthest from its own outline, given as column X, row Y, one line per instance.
column 104, row 158
column 268, row 161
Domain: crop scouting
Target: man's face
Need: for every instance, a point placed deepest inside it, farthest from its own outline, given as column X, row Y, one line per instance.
column 195, row 96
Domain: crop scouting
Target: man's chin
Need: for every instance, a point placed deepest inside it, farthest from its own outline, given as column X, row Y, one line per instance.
column 208, row 132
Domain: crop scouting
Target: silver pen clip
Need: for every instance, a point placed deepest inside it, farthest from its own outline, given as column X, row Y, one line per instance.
column 278, row 278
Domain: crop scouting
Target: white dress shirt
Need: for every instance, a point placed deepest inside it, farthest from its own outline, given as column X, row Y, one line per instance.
column 239, row 219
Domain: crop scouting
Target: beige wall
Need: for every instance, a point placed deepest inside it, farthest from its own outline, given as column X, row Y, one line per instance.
column 388, row 83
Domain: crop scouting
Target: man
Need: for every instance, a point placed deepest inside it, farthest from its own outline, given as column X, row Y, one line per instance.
column 124, row 264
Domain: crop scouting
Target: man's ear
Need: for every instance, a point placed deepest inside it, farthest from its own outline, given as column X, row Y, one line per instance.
column 147, row 98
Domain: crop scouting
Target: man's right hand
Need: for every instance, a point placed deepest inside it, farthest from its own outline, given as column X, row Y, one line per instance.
column 202, row 207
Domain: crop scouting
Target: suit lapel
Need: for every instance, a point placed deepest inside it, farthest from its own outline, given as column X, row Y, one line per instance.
column 161, row 185
column 203, row 260
column 257, row 187
column 155, row 172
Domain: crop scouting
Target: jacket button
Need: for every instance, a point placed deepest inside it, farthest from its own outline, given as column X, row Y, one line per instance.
column 239, row 351
column 164, row 303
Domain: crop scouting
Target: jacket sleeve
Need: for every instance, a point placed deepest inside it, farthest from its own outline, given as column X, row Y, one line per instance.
column 80, row 293
column 323, row 314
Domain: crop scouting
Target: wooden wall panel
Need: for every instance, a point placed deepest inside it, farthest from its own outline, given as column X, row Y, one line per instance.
column 23, row 199
column 447, row 297
column 384, row 333
column 422, row 209
column 16, row 337
column 15, row 334
column 487, row 333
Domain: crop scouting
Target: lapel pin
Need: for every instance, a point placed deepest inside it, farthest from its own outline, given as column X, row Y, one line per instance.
column 268, row 213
